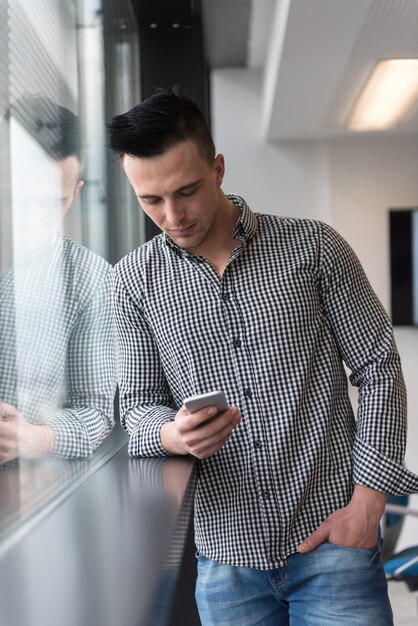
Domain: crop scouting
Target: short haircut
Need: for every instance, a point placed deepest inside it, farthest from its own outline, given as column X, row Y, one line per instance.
column 166, row 118
column 53, row 126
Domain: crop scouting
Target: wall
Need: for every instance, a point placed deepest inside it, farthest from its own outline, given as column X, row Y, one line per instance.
column 348, row 182
column 288, row 180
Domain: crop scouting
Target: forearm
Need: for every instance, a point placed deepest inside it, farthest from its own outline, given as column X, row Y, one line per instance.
column 169, row 439
column 369, row 502
column 382, row 411
column 38, row 441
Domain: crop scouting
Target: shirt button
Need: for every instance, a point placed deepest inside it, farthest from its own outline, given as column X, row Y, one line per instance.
column 225, row 297
column 266, row 495
column 248, row 393
column 237, row 343
column 258, row 443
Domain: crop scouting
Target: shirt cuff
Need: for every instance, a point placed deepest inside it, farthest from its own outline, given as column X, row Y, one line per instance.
column 71, row 439
column 145, row 439
column 372, row 469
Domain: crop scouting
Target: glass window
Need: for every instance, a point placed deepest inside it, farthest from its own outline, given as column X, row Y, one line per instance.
column 57, row 369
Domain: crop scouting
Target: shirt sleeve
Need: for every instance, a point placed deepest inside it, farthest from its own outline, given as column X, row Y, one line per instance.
column 87, row 414
column 364, row 336
column 145, row 398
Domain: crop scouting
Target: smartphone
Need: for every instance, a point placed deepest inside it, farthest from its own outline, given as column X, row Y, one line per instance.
column 213, row 398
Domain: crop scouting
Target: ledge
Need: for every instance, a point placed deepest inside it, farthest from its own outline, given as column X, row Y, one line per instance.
column 99, row 551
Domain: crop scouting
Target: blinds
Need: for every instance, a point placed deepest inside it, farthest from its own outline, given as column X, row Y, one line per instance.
column 4, row 59
column 39, row 48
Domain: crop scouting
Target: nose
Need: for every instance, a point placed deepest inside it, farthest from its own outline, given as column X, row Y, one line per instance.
column 174, row 213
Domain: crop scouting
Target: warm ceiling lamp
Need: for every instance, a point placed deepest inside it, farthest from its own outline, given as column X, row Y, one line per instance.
column 388, row 96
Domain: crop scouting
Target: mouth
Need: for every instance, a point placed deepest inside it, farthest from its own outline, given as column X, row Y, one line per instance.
column 181, row 230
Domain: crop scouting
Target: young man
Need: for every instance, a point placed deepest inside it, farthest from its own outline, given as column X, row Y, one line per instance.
column 291, row 488
column 57, row 373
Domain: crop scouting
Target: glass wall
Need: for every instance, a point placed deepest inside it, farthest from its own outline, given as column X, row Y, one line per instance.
column 65, row 217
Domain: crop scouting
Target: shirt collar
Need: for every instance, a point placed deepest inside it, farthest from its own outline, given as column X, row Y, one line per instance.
column 246, row 225
column 244, row 229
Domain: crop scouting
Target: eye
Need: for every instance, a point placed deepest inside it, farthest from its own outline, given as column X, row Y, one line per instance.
column 150, row 201
column 188, row 192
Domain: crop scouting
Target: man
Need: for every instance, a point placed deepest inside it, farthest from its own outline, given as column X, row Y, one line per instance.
column 291, row 488
column 57, row 379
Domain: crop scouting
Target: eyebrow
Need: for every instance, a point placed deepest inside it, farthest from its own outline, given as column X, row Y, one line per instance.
column 151, row 196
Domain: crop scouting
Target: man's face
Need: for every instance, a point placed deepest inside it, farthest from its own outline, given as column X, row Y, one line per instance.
column 42, row 190
column 41, row 200
column 180, row 191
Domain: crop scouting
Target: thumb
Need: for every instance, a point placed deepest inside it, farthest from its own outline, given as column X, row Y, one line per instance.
column 8, row 411
column 314, row 540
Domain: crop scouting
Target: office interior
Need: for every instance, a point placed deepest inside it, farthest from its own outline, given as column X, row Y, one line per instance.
column 278, row 81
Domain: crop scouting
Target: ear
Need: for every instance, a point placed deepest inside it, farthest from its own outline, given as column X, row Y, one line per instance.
column 77, row 189
column 219, row 168
column 69, row 201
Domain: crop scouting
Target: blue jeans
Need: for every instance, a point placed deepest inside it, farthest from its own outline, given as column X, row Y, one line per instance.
column 332, row 585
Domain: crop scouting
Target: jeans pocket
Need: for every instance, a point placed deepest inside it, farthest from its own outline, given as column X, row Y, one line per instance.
column 372, row 551
column 200, row 556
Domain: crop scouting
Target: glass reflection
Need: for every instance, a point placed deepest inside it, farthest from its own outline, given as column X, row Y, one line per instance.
column 57, row 378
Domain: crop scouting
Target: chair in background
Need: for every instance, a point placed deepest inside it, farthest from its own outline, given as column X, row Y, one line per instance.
column 403, row 565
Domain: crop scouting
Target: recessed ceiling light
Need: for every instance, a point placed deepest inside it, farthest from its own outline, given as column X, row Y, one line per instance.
column 388, row 96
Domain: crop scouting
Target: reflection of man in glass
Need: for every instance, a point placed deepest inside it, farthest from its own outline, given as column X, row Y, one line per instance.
column 56, row 339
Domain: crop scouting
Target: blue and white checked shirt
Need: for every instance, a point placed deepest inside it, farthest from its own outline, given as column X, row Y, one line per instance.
column 272, row 332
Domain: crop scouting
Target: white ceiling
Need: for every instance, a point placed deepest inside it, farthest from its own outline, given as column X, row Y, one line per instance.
column 317, row 55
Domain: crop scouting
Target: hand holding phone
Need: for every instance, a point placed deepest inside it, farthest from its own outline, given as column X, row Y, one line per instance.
column 202, row 435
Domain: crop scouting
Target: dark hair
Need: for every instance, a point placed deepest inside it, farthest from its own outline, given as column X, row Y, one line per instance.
column 53, row 126
column 158, row 123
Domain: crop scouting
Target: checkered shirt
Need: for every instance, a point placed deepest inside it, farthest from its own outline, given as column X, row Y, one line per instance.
column 273, row 332
column 57, row 344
